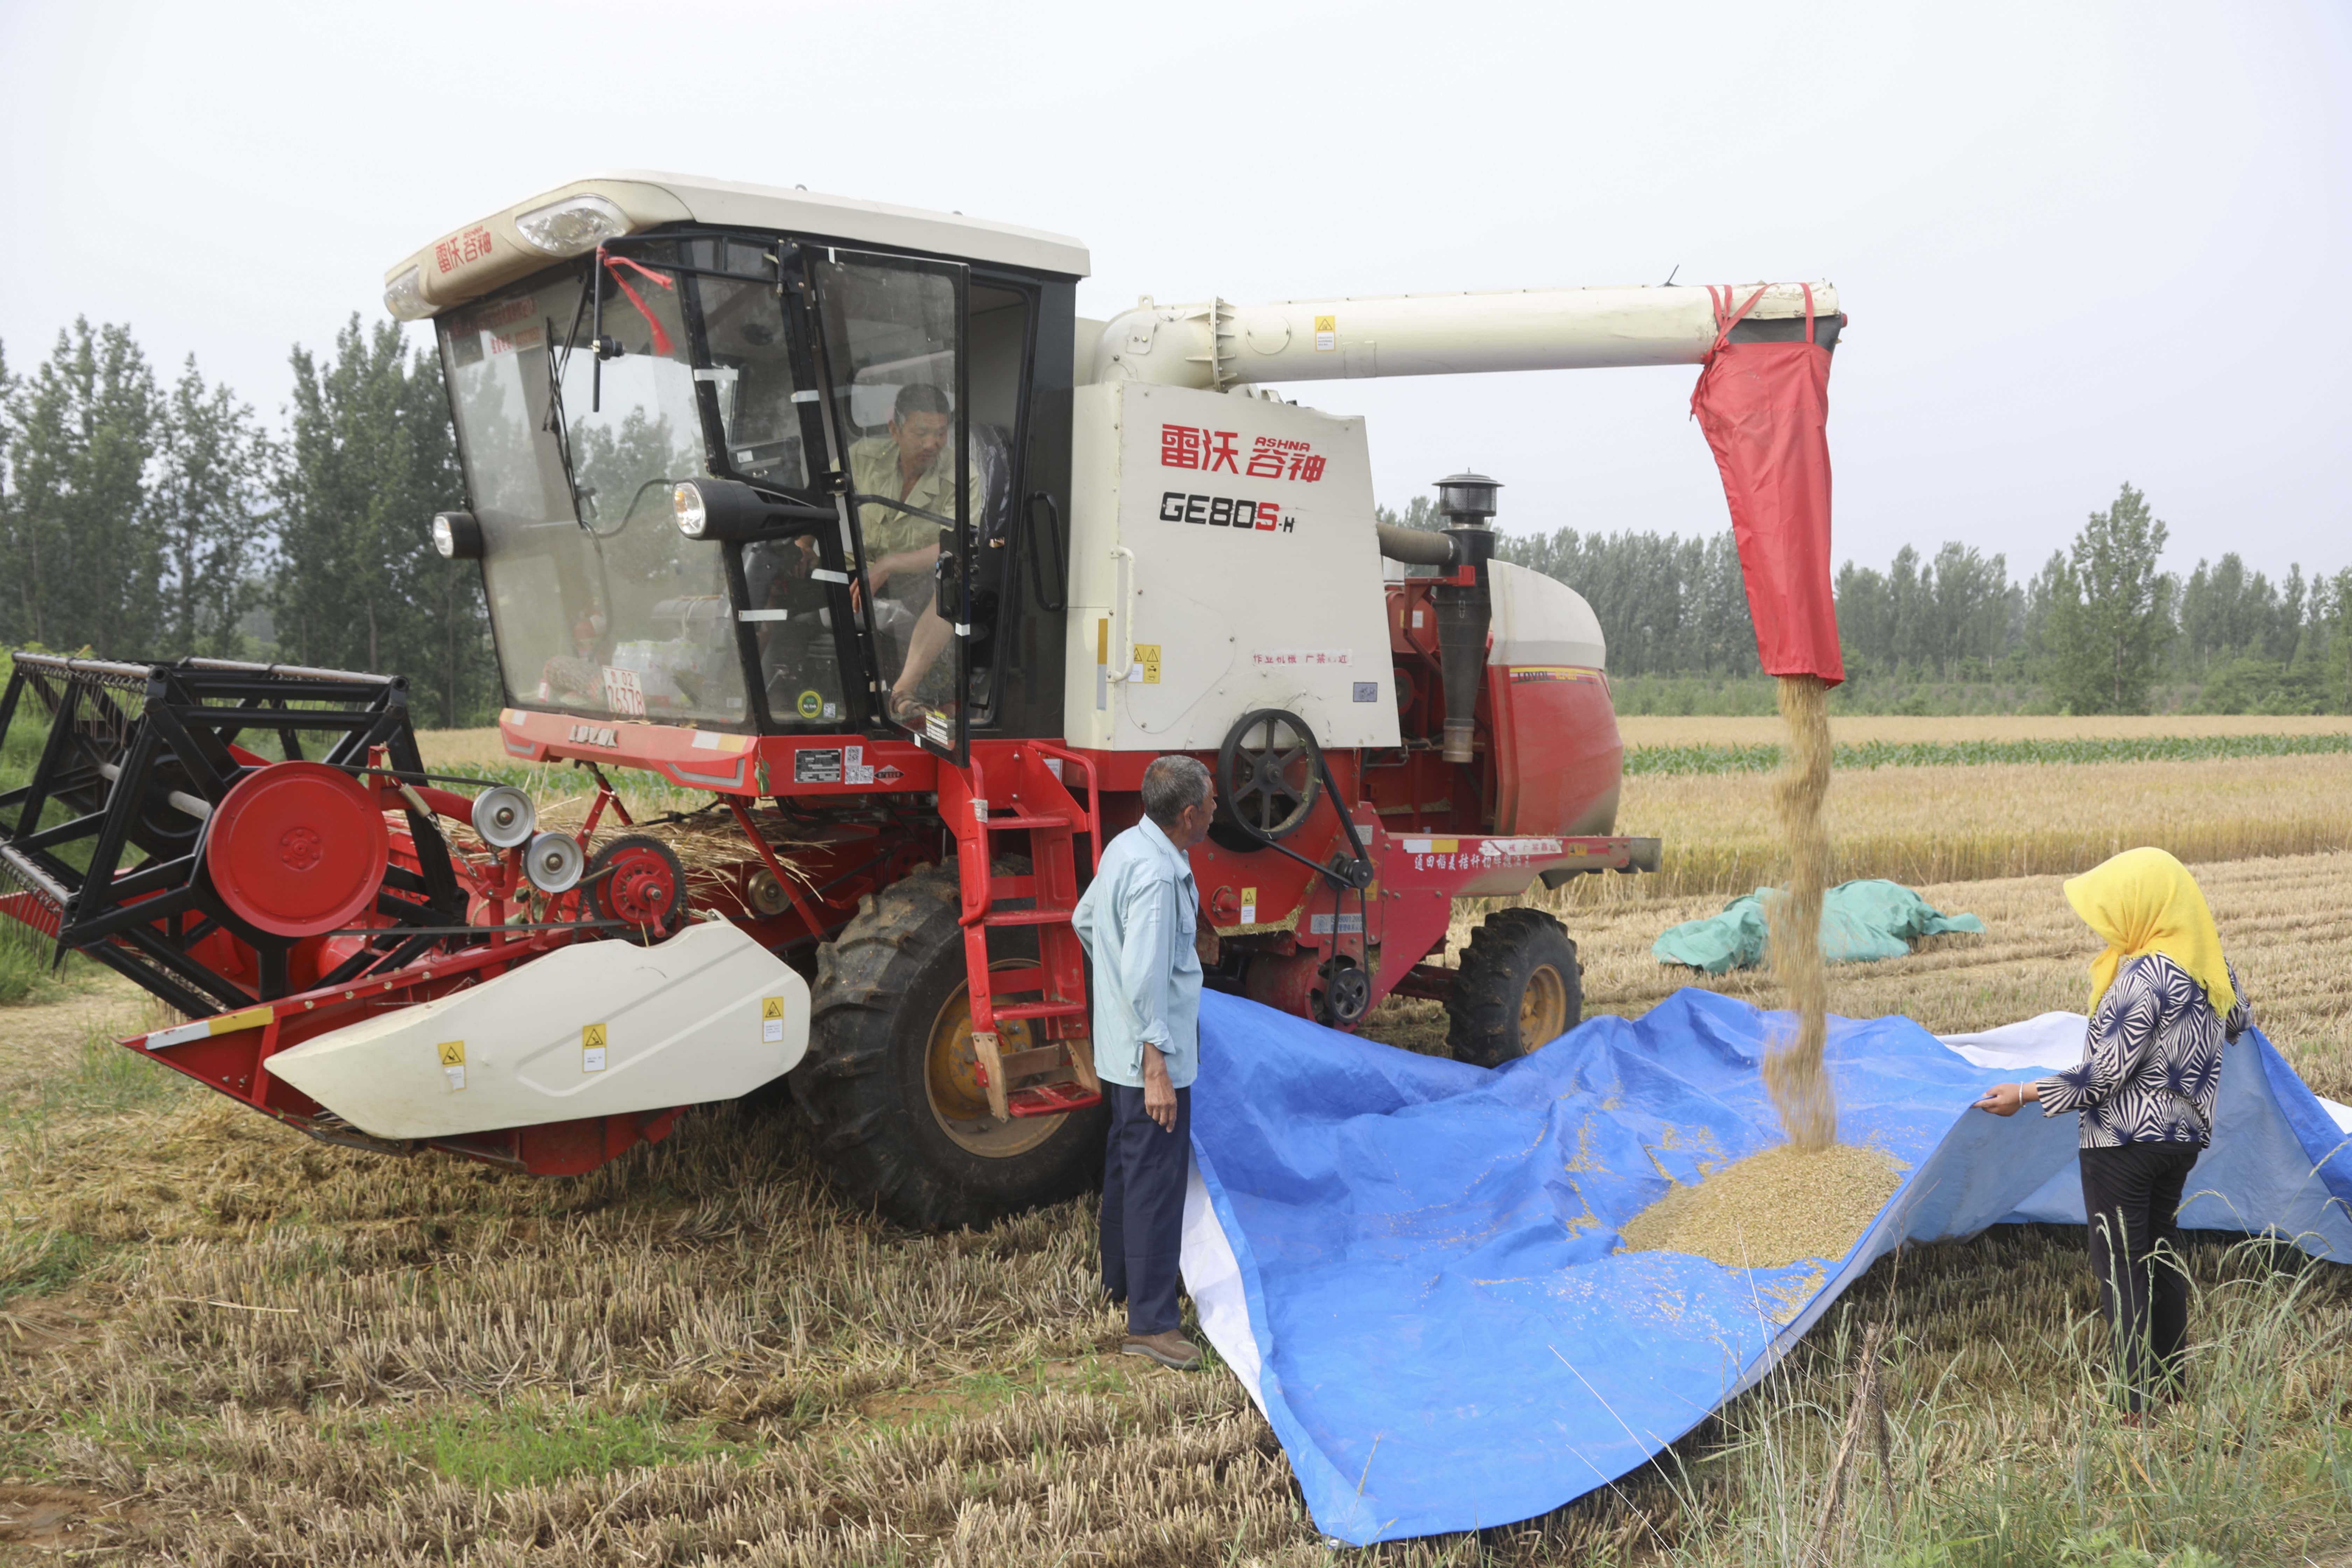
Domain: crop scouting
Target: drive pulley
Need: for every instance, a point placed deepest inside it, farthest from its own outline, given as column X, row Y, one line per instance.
column 1269, row 775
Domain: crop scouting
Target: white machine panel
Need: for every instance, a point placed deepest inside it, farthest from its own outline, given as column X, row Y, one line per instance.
column 1223, row 559
column 1538, row 620
column 593, row 1029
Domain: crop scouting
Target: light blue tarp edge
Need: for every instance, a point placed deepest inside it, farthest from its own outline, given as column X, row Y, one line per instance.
column 1921, row 1209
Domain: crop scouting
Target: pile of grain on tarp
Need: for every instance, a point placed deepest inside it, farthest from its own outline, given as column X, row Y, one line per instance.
column 1772, row 1208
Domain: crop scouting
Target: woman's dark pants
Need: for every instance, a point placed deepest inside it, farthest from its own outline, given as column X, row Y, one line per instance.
column 1144, row 1170
column 2131, row 1196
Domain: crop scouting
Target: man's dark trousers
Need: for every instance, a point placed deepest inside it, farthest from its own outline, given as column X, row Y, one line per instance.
column 1143, row 1207
column 2132, row 1195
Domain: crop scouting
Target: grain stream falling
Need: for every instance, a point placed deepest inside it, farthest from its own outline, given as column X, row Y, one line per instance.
column 1801, row 1090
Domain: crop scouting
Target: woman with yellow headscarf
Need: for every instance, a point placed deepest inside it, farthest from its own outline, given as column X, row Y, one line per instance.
column 2163, row 1003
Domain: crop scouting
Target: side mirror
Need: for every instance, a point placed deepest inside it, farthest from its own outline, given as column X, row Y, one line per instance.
column 728, row 509
column 457, row 536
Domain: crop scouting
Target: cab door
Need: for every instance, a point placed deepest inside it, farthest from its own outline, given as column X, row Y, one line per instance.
column 891, row 336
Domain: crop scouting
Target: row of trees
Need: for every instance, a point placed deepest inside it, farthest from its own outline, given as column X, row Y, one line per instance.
column 2101, row 625
column 142, row 522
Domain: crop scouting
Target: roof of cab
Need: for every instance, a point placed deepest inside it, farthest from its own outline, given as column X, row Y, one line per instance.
column 471, row 261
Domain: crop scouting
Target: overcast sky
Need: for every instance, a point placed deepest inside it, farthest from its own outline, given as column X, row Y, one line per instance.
column 2080, row 244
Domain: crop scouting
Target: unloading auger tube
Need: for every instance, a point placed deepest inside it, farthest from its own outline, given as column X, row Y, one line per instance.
column 1216, row 346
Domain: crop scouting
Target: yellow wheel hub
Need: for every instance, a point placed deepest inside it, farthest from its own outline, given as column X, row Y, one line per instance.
column 1543, row 1008
column 951, row 1079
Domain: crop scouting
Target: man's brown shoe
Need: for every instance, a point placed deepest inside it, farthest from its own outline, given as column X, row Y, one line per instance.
column 1169, row 1349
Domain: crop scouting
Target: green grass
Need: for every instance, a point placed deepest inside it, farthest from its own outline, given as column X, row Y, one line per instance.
column 528, row 1442
column 1686, row 759
column 531, row 1442
column 96, row 1078
column 36, row 1262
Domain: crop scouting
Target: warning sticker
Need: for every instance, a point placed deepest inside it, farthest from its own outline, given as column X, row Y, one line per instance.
column 592, row 1048
column 1249, row 906
column 817, row 764
column 1327, row 333
column 772, row 1020
column 453, row 1061
column 1146, row 668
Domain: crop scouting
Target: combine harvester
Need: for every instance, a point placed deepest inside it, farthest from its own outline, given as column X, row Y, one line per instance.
column 689, row 413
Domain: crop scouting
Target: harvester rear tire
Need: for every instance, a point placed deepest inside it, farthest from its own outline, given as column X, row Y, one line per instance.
column 1519, row 986
column 881, row 988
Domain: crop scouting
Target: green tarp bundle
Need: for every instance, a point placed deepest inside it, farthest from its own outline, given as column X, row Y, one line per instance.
column 1861, row 922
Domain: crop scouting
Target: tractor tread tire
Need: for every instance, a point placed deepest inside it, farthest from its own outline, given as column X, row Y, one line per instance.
column 1506, row 948
column 878, row 989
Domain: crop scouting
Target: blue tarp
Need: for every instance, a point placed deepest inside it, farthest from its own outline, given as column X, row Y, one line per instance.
column 1413, row 1262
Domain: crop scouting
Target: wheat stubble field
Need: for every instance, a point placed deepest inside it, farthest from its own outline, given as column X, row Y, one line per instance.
column 224, row 1344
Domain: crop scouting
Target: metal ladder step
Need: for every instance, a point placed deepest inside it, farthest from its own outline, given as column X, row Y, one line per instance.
column 1026, row 916
column 1050, row 1100
column 1042, row 1010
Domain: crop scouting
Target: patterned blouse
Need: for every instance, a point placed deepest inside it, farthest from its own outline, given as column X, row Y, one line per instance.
column 2152, row 1063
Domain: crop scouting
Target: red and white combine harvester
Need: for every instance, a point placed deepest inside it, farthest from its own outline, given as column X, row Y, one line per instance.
column 839, row 514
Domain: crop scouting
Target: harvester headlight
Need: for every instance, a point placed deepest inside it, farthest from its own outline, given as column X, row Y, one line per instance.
column 573, row 224
column 503, row 817
column 553, row 862
column 692, row 512
column 457, row 536
column 729, row 509
column 404, row 297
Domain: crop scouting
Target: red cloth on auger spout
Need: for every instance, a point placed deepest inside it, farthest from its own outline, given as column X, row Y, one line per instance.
column 1765, row 409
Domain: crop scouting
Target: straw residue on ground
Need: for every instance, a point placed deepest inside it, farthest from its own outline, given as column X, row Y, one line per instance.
column 1771, row 1209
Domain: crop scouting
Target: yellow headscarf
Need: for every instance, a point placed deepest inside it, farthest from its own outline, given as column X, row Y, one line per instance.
column 2143, row 901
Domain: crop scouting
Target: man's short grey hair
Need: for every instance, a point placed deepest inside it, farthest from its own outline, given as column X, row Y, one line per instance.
column 1171, row 785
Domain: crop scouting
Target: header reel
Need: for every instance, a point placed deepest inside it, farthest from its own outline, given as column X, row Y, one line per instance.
column 245, row 868
column 153, row 839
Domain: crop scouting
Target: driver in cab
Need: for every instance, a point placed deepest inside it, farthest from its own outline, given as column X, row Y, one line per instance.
column 909, row 463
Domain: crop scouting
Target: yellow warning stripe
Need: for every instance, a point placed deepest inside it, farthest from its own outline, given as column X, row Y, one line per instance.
column 204, row 1029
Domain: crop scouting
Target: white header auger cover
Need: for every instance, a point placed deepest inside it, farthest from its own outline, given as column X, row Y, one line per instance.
column 594, row 1029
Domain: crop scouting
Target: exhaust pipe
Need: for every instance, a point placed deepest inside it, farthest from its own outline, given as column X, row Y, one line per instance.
column 1463, row 609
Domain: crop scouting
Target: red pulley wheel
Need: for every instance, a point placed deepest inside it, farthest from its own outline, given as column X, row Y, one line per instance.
column 298, row 848
column 639, row 881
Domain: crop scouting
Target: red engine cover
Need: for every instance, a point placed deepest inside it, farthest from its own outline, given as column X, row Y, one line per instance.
column 1557, row 753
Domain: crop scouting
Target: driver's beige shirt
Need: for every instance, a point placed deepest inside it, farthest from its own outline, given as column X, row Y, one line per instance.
column 874, row 470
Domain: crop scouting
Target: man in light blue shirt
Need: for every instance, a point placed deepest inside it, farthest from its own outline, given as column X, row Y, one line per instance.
column 1137, row 920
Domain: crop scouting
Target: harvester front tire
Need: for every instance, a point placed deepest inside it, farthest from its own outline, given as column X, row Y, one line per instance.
column 1519, row 986
column 882, row 988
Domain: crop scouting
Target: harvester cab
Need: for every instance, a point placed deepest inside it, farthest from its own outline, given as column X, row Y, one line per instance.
column 838, row 516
